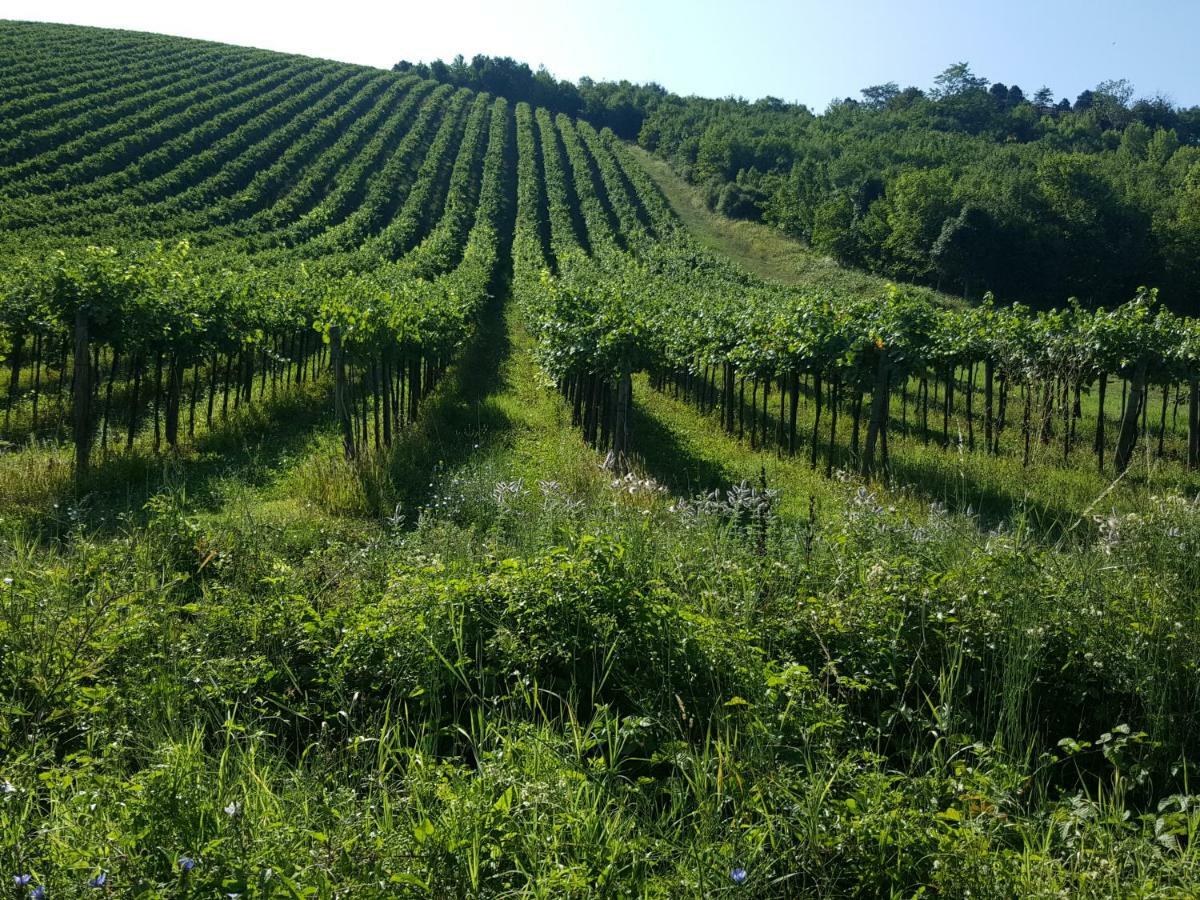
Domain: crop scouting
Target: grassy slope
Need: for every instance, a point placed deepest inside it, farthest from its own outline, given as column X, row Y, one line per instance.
column 760, row 249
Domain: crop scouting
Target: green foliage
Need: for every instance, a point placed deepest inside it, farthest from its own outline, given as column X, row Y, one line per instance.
column 1084, row 198
column 428, row 644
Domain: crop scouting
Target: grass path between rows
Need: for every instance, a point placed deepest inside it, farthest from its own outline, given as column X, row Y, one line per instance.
column 504, row 416
column 682, row 447
column 493, row 418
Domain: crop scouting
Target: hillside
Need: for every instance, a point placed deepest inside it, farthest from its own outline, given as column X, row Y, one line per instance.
column 944, row 185
column 407, row 490
column 758, row 248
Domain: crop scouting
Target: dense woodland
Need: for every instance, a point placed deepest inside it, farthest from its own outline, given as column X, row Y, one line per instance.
column 970, row 186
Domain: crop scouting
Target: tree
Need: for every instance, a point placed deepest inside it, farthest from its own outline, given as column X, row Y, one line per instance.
column 738, row 202
column 878, row 96
column 770, row 104
column 1099, row 238
column 1110, row 100
column 917, row 204
column 1157, row 112
column 1162, row 146
column 1118, row 90
column 907, row 98
column 1182, row 251
column 835, row 229
column 964, row 249
column 1044, row 97
column 957, row 79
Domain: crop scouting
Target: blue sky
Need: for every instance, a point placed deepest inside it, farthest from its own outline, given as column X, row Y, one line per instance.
column 805, row 51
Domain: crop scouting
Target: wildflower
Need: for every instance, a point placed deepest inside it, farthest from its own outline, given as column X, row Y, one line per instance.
column 507, row 491
column 186, row 864
column 7, row 787
column 233, row 809
column 38, row 893
column 99, row 881
column 8, row 582
column 738, row 875
column 21, row 880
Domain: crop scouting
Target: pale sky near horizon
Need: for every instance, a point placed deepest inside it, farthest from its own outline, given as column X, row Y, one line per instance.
column 801, row 51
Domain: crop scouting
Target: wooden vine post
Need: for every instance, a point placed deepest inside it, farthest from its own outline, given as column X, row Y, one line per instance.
column 877, row 425
column 341, row 404
column 1127, row 438
column 1193, row 457
column 81, row 399
column 620, row 438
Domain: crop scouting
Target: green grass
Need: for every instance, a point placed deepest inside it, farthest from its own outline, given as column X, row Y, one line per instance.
column 688, row 450
column 480, row 665
column 759, row 249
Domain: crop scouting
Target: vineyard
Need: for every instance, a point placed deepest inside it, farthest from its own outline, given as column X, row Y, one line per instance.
column 396, row 497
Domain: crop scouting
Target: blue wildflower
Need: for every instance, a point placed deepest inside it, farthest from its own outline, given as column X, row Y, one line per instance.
column 38, row 893
column 186, row 864
column 98, row 881
column 738, row 875
column 22, row 880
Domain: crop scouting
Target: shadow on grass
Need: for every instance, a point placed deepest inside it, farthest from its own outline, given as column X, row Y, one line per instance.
column 991, row 506
column 660, row 454
column 917, row 474
column 250, row 447
column 460, row 418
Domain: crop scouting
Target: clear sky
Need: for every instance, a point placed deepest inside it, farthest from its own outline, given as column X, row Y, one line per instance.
column 800, row 50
